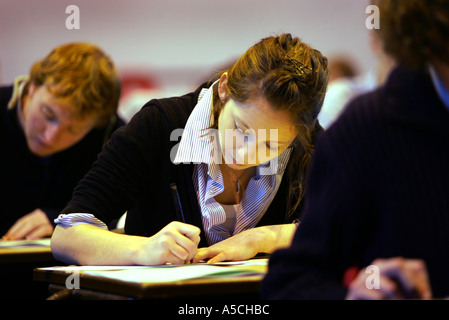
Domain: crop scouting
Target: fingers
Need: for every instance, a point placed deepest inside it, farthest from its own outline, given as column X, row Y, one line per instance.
column 396, row 278
column 178, row 242
column 358, row 290
column 191, row 232
column 17, row 231
column 183, row 249
column 211, row 255
column 218, row 258
column 410, row 274
column 387, row 290
column 236, row 248
column 31, row 226
column 41, row 231
column 203, row 254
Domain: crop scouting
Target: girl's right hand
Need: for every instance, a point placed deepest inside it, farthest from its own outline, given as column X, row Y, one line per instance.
column 176, row 243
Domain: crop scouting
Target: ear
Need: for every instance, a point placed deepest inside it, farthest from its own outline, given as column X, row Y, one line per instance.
column 31, row 89
column 222, row 87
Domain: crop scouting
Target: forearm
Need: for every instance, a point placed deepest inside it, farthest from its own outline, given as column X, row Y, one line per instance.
column 90, row 245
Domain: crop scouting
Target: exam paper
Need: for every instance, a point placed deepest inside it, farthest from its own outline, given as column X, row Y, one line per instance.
column 25, row 243
column 90, row 268
column 168, row 273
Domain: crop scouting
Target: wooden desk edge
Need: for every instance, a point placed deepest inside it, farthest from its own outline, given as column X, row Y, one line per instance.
column 175, row 289
column 25, row 254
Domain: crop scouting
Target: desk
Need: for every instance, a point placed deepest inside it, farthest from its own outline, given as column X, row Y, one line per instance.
column 16, row 271
column 214, row 286
column 10, row 255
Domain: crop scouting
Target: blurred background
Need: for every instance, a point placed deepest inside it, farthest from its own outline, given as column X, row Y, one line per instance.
column 168, row 47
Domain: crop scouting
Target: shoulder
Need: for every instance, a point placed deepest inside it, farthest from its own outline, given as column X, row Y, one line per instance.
column 5, row 95
column 6, row 90
column 401, row 90
column 5, row 113
column 158, row 119
column 357, row 134
column 361, row 114
column 173, row 111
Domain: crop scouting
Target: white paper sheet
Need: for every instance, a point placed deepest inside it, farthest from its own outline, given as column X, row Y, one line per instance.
column 167, row 273
column 170, row 273
column 25, row 243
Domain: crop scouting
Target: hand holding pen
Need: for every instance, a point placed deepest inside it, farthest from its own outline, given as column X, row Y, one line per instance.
column 176, row 243
column 180, row 214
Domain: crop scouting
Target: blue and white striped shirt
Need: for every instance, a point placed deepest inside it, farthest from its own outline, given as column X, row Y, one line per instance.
column 196, row 146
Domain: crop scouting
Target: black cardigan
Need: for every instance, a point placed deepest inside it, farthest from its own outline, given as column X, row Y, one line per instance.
column 28, row 182
column 134, row 172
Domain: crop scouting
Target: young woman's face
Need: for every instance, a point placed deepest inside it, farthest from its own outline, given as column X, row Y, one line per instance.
column 48, row 126
column 253, row 133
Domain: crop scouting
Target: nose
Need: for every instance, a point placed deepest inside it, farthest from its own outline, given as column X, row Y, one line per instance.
column 51, row 133
column 241, row 152
column 245, row 149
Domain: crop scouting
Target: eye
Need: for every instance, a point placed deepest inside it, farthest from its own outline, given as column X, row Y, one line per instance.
column 272, row 146
column 48, row 113
column 238, row 128
column 74, row 131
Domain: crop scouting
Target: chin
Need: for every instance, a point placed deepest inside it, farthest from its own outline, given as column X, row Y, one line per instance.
column 40, row 151
column 240, row 166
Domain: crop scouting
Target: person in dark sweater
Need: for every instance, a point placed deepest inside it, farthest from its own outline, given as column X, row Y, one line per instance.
column 53, row 124
column 238, row 169
column 376, row 222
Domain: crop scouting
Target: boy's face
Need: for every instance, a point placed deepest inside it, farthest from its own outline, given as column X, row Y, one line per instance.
column 50, row 127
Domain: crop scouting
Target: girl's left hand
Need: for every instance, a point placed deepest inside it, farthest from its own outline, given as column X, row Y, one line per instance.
column 242, row 246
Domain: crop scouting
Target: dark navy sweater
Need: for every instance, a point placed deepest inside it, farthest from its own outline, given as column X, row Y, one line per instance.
column 378, row 188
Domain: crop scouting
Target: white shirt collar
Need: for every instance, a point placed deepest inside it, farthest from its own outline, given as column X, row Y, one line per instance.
column 195, row 145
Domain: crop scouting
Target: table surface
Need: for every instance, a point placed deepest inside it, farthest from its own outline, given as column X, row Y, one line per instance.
column 210, row 287
column 25, row 254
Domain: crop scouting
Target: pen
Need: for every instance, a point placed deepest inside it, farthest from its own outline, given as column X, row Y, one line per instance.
column 177, row 202
column 178, row 206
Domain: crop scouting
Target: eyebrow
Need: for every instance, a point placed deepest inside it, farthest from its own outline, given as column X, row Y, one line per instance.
column 240, row 122
column 47, row 108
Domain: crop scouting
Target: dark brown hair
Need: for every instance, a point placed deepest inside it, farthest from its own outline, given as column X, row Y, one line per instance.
column 415, row 31
column 293, row 78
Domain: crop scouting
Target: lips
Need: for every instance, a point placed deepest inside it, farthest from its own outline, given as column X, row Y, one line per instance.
column 232, row 160
column 229, row 159
column 42, row 144
column 238, row 164
column 41, row 148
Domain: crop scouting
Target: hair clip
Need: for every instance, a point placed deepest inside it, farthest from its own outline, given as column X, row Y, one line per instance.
column 297, row 65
